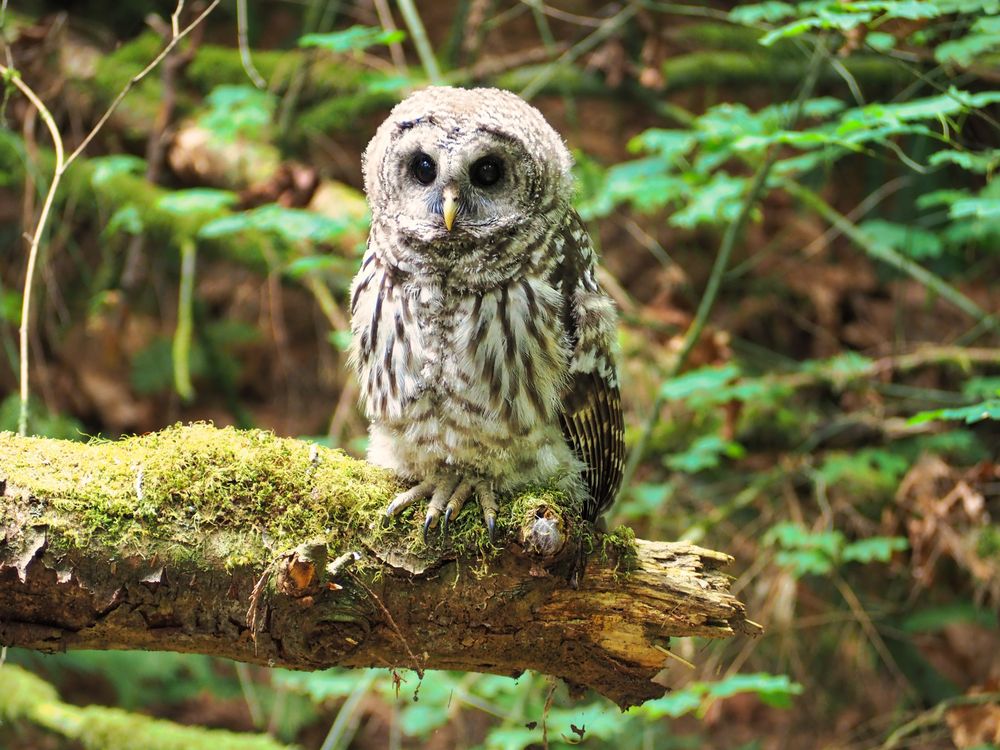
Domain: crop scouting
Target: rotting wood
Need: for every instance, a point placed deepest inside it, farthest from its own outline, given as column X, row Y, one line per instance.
column 117, row 546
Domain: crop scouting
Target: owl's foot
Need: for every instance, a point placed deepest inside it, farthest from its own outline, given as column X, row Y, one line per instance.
column 448, row 494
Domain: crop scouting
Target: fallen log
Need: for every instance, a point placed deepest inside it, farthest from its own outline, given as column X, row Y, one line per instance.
column 274, row 551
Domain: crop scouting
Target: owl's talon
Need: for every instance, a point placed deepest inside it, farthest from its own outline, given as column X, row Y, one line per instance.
column 405, row 499
column 448, row 497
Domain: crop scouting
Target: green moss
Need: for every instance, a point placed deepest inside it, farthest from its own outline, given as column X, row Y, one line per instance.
column 620, row 546
column 214, row 66
column 28, row 699
column 343, row 111
column 241, row 497
column 988, row 542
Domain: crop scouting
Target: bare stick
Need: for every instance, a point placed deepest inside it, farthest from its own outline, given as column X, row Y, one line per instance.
column 36, row 237
column 241, row 37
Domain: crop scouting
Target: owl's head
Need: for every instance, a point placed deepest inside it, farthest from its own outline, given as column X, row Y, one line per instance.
column 454, row 175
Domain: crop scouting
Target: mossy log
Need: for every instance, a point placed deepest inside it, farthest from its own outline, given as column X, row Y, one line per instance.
column 274, row 551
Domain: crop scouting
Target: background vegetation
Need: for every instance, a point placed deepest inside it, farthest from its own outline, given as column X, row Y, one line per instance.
column 797, row 216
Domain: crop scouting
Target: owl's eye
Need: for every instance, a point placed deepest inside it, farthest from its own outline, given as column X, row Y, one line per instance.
column 423, row 169
column 486, row 171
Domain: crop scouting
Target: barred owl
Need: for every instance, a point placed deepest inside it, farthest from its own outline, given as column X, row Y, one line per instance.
column 481, row 339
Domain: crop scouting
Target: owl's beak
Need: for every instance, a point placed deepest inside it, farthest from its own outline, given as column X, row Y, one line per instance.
column 450, row 206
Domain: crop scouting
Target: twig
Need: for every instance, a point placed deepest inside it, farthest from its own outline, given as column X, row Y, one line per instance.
column 315, row 21
column 134, row 265
column 13, row 77
column 386, row 22
column 934, row 716
column 137, row 78
column 249, row 694
column 182, row 333
column 241, row 39
column 392, row 624
column 419, row 34
column 732, row 233
column 345, row 725
column 586, row 44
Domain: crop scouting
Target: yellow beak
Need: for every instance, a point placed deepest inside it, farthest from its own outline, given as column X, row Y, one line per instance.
column 450, row 207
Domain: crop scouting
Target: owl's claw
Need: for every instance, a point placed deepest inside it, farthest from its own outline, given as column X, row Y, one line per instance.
column 448, row 497
column 488, row 502
column 404, row 500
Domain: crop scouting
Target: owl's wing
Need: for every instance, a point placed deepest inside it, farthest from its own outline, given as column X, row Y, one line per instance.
column 591, row 416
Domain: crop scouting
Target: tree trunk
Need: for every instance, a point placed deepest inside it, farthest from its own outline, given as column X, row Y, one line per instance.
column 274, row 551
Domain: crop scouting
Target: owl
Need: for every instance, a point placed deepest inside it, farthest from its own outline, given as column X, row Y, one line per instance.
column 481, row 339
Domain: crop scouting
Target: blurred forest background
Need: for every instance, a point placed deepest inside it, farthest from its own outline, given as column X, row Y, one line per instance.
column 795, row 208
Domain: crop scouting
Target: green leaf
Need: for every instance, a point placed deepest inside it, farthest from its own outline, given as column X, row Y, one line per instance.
column 354, row 38
column 969, row 414
column 513, row 738
column 717, row 202
column 41, row 421
column 126, row 220
column 976, row 208
column 310, row 264
column 789, row 30
column 874, row 548
column 698, row 381
column 941, row 198
column 774, row 689
column 106, row 167
column 341, row 340
column 913, row 242
column 754, row 13
column 323, row 685
column 238, row 111
column 196, row 200
column 790, row 535
column 669, row 144
column 291, row 225
column 645, row 183
column 983, row 37
column 873, row 469
column 980, row 162
column 423, row 718
column 804, row 562
column 706, row 452
column 10, row 307
column 982, row 387
column 675, row 704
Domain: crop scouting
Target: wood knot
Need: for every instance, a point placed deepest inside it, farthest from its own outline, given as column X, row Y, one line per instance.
column 297, row 572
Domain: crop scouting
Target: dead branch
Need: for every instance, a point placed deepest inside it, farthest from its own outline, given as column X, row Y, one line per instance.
column 273, row 551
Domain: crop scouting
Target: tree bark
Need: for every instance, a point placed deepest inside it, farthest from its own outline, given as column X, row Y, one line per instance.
column 274, row 551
